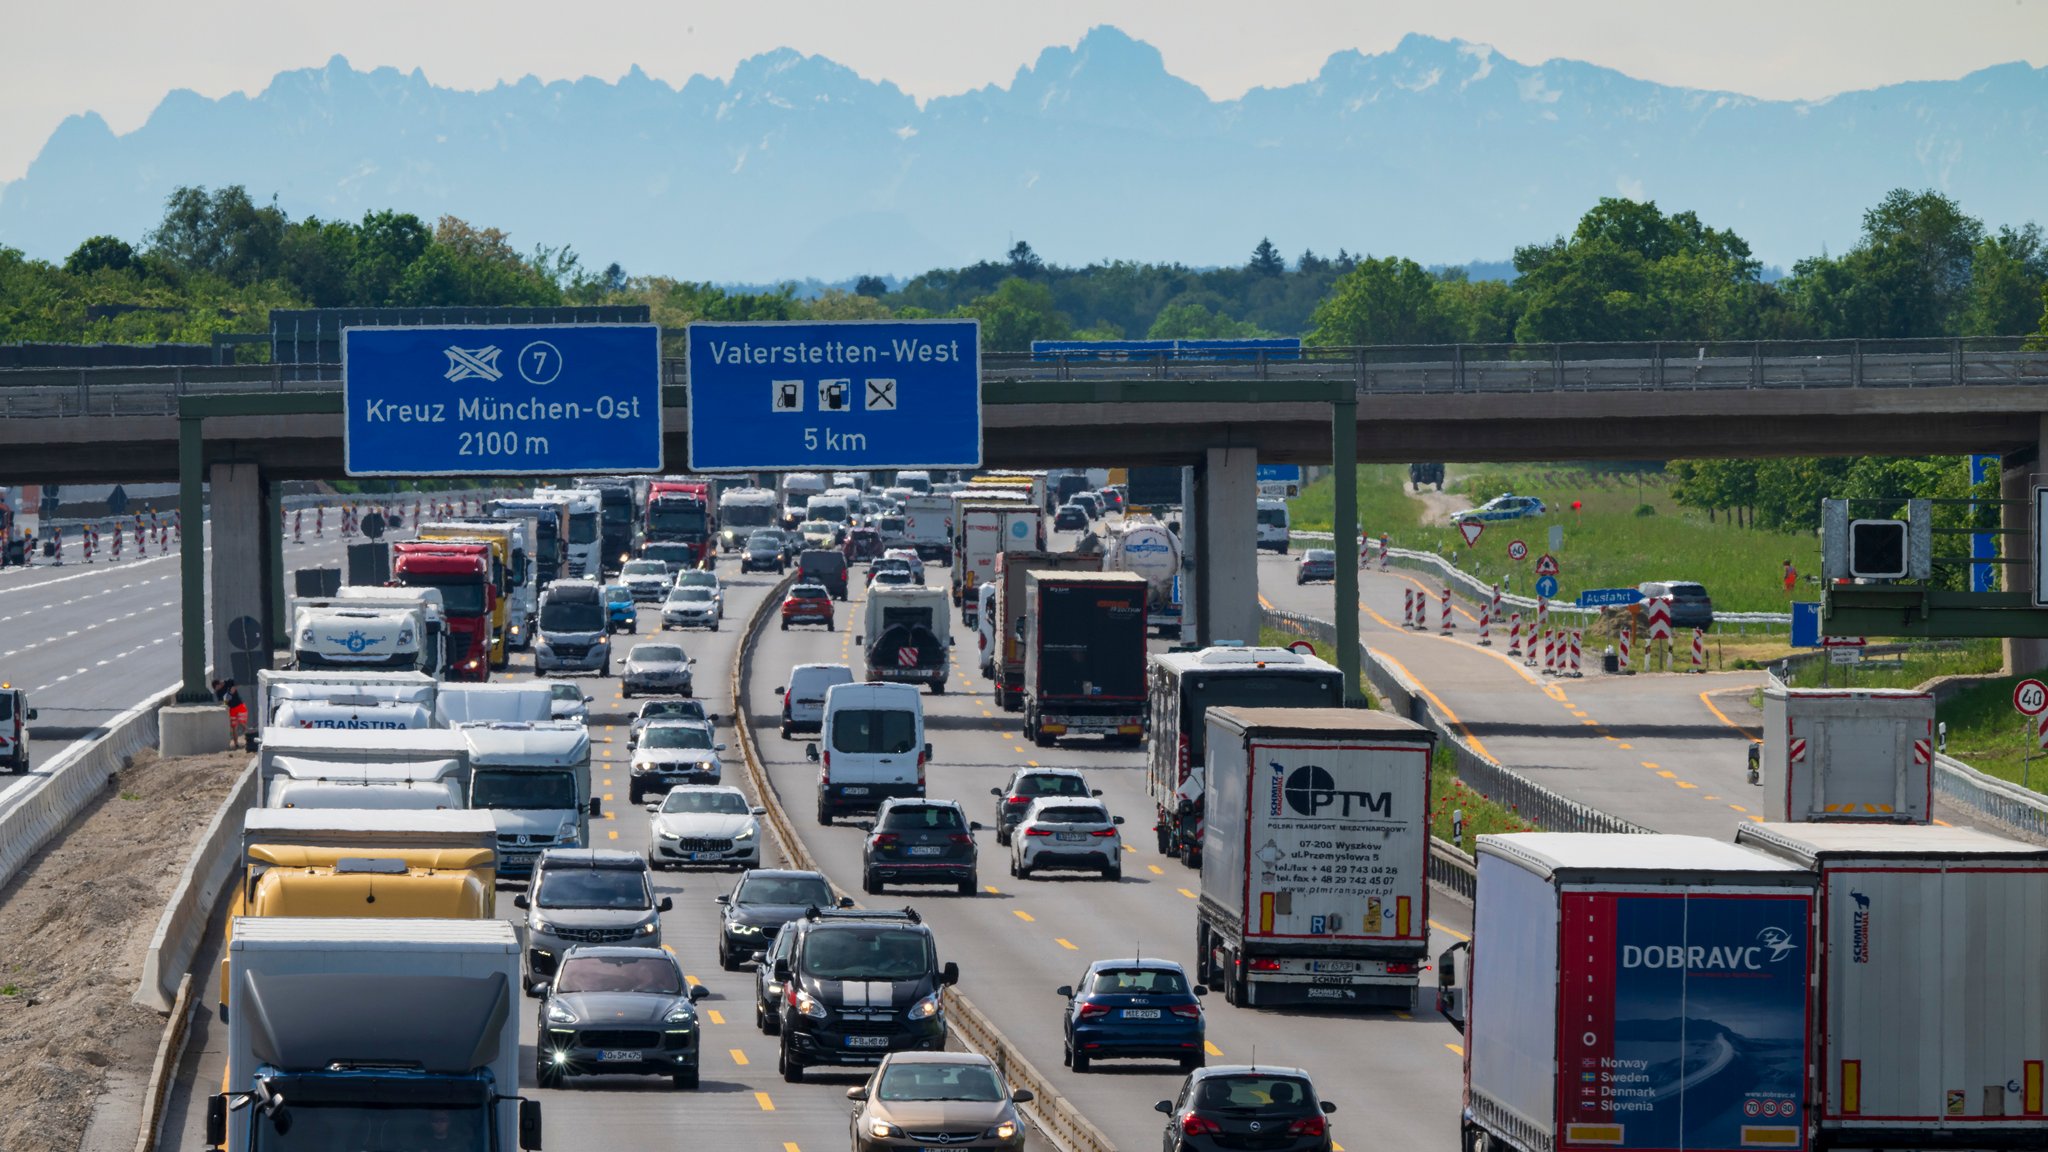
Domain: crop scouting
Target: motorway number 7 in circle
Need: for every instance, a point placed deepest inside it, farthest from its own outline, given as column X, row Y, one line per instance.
column 2030, row 697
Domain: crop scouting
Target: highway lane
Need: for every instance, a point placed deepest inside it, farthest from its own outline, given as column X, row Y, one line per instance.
column 741, row 1102
column 1395, row 1075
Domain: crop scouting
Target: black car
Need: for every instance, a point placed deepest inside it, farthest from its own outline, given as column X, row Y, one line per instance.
column 915, row 841
column 764, row 900
column 1070, row 518
column 1691, row 607
column 762, row 553
column 768, row 989
column 858, row 985
column 1028, row 784
column 1237, row 1106
column 610, row 1010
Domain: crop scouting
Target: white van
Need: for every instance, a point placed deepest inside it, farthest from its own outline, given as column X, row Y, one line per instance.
column 873, row 747
column 803, row 699
column 985, row 630
column 1273, row 525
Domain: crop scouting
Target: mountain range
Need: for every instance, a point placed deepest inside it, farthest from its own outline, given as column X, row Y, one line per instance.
column 1438, row 150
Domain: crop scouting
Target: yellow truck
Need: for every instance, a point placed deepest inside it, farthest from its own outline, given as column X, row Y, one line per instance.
column 333, row 862
column 498, row 535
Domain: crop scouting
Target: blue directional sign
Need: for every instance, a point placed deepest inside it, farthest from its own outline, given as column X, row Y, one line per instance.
column 1806, row 624
column 503, row 400
column 1280, row 472
column 1546, row 586
column 848, row 394
column 1608, row 597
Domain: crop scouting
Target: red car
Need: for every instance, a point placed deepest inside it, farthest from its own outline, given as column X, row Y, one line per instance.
column 807, row 604
column 862, row 544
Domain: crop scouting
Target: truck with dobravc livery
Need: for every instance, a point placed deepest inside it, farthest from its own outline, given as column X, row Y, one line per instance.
column 740, row 512
column 1003, row 665
column 1148, row 548
column 1083, row 635
column 1846, row 754
column 907, row 636
column 1315, row 857
column 353, row 1035
column 1638, row 992
column 462, row 575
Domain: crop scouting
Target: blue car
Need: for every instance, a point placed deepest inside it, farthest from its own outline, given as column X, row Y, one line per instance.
column 1134, row 1009
column 620, row 614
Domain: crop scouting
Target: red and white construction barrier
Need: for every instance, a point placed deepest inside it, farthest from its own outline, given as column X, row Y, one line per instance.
column 1487, row 612
column 1626, row 664
column 1549, row 653
column 1699, row 650
column 1515, row 634
column 1577, row 638
column 1407, row 607
column 1450, row 620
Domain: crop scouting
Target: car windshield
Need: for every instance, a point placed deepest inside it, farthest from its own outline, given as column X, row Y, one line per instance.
column 675, row 736
column 1255, row 1093
column 618, row 594
column 814, row 527
column 723, row 803
column 694, row 595
column 1319, row 555
column 523, row 789
column 1141, row 981
column 583, row 528
column 571, row 616
column 644, row 568
column 815, row 562
column 698, row 580
column 655, row 974
column 914, row 817
column 807, row 592
column 574, row 887
column 1689, row 591
column 764, row 542
column 1276, row 517
column 1051, row 785
column 798, row 891
column 1071, row 814
column 570, row 692
column 888, row 731
column 862, row 953
column 661, row 708
column 658, row 654
column 920, row 1081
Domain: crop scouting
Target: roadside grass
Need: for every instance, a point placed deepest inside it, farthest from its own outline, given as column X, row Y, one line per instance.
column 1605, row 543
column 1968, row 657
column 1449, row 794
column 1987, row 734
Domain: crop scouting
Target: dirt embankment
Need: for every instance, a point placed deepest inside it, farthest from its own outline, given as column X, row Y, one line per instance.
column 73, row 928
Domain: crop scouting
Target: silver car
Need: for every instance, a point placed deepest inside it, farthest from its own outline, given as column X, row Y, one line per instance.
column 672, row 752
column 587, row 896
column 691, row 607
column 656, row 668
column 566, row 701
column 1061, row 832
column 701, row 825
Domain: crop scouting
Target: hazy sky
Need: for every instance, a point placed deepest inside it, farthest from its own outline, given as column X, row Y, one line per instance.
column 119, row 57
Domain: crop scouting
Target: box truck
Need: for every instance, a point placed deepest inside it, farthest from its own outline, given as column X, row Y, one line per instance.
column 1846, row 754
column 1084, row 656
column 928, row 527
column 1930, row 1032
column 907, row 636
column 983, row 527
column 1634, row 992
column 1315, row 857
column 349, row 1033
column 1005, row 665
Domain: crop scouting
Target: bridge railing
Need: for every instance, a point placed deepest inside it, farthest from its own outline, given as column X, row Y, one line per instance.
column 1387, row 370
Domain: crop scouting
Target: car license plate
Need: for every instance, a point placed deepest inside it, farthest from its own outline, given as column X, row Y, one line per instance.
column 926, row 850
column 1333, row 965
column 694, row 856
column 618, row 1056
column 855, row 790
column 1141, row 1013
column 867, row 1041
column 1070, row 837
column 517, row 857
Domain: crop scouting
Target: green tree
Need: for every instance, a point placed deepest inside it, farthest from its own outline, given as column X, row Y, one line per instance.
column 2008, row 272
column 1266, row 259
column 1016, row 313
column 223, row 233
column 318, row 259
column 1190, row 320
column 1023, row 261
column 873, row 286
column 386, row 244
column 1909, row 275
column 100, row 254
column 1390, row 300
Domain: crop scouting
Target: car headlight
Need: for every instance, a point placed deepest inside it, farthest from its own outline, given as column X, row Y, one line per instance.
column 747, row 833
column 741, row 928
column 541, row 925
column 650, row 928
column 809, row 1005
column 926, row 1008
column 682, row 1013
column 560, row 1014
column 665, row 834
column 1007, row 1130
column 568, row 830
column 881, row 1130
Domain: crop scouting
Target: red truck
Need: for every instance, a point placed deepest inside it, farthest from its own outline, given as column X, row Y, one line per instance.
column 463, row 574
column 679, row 512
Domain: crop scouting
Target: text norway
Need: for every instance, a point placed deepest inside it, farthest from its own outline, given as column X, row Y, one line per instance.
column 1694, row 956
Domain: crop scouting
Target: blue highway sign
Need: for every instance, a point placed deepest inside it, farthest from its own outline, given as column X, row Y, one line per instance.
column 503, row 400
column 1608, row 597
column 1282, row 472
column 840, row 395
column 1546, row 586
column 1806, row 624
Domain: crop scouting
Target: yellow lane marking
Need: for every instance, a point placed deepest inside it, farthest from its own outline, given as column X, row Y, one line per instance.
column 1683, row 784
column 739, row 1057
column 1574, row 711
column 1211, row 1048
column 1455, row 1048
column 1448, row 931
column 607, row 783
column 1062, row 942
column 1594, row 724
column 1130, row 849
column 1156, row 869
column 610, row 815
column 787, row 1147
column 1021, row 914
column 607, row 795
column 991, row 890
column 715, row 1016
column 1627, row 747
column 766, row 1104
column 1710, row 797
column 1651, row 764
column 1018, row 747
column 1188, row 894
column 1441, row 707
column 1738, row 807
column 1943, row 823
column 686, row 979
column 1666, row 773
column 613, row 835
column 1032, row 763
column 1706, row 698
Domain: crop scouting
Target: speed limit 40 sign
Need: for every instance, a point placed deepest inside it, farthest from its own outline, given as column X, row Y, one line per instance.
column 2030, row 697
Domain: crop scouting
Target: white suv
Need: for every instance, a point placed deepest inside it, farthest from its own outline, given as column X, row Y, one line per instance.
column 1068, row 833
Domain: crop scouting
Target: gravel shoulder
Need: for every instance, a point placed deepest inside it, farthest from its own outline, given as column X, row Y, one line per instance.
column 74, row 925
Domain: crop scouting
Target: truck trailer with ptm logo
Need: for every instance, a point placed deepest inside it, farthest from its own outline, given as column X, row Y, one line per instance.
column 1315, row 857
column 1635, row 992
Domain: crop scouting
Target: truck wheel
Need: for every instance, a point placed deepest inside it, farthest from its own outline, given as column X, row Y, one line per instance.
column 625, row 691
column 938, row 687
column 1203, row 973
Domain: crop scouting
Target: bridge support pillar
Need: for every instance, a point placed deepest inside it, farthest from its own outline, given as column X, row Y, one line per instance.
column 242, row 522
column 2022, row 470
column 1226, row 545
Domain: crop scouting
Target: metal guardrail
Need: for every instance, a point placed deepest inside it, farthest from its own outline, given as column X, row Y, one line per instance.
column 1452, row 871
column 2020, row 811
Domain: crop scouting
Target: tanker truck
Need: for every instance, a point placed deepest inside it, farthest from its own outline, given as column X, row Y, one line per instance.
column 1146, row 548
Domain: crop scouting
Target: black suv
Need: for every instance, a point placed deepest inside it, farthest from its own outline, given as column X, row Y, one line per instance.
column 823, row 566
column 915, row 841
column 857, row 986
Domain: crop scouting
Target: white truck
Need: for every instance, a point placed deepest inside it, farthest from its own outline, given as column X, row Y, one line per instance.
column 797, row 490
column 425, row 601
column 740, row 512
column 586, row 529
column 928, row 527
column 984, row 526
column 306, row 699
column 1145, row 547
column 421, row 756
column 1273, row 526
column 1930, row 943
column 461, row 704
column 524, row 600
column 352, row 1033
column 1315, row 857
column 1846, row 754
column 357, row 637
column 907, row 636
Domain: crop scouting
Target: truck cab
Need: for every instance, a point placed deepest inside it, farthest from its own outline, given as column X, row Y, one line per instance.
column 462, row 574
column 740, row 511
column 14, row 717
column 585, row 510
column 496, row 537
column 575, row 630
column 534, row 780
column 425, row 601
column 363, row 638
column 679, row 512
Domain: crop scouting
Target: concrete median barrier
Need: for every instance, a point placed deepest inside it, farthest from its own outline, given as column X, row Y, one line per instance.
column 33, row 814
column 181, row 928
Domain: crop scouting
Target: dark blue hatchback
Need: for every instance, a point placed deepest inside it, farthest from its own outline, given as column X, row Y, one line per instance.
column 1134, row 1009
